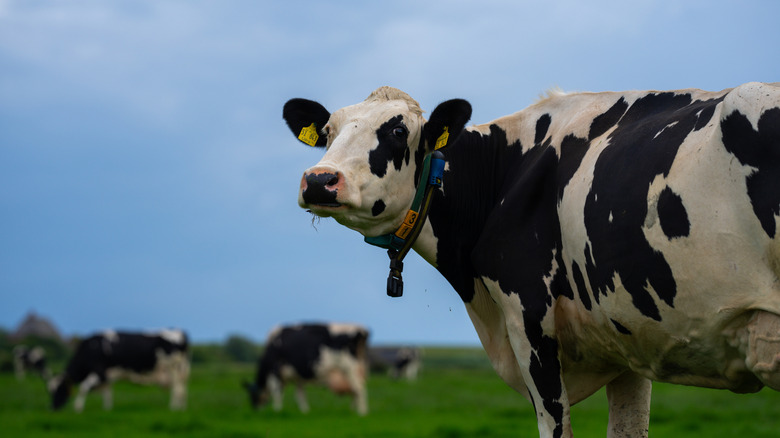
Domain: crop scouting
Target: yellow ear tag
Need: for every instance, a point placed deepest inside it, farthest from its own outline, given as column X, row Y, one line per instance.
column 442, row 140
column 309, row 135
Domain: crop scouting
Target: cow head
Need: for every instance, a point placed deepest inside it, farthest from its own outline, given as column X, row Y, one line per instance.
column 257, row 397
column 59, row 389
column 373, row 156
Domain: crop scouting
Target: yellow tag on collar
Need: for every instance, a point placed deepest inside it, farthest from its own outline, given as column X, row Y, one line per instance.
column 309, row 135
column 442, row 140
column 406, row 227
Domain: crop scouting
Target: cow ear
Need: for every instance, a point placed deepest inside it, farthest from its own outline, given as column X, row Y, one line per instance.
column 446, row 123
column 306, row 119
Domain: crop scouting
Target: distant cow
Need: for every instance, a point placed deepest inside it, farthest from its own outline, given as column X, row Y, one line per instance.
column 399, row 362
column 30, row 359
column 595, row 238
column 159, row 358
column 330, row 354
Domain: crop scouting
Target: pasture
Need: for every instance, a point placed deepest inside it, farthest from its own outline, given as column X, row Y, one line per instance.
column 457, row 395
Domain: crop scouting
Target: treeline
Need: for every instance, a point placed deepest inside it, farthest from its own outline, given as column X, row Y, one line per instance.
column 236, row 348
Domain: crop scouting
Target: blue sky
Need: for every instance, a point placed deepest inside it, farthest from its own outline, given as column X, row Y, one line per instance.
column 147, row 178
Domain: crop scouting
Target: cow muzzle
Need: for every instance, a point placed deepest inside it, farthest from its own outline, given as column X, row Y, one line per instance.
column 320, row 188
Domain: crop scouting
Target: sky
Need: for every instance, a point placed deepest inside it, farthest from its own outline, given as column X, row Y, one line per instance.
column 147, row 178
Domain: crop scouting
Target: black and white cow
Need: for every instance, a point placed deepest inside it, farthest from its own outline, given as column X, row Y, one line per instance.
column 595, row 238
column 159, row 358
column 30, row 359
column 330, row 354
column 398, row 362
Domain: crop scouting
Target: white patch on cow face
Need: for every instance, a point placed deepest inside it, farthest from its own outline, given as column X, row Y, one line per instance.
column 352, row 136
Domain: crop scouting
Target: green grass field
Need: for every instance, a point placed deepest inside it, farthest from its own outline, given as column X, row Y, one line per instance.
column 456, row 395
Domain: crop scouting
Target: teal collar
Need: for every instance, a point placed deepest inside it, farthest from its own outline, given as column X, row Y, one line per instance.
column 400, row 242
column 397, row 239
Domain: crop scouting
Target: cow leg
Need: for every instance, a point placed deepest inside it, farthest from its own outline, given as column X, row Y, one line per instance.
column 548, row 395
column 629, row 406
column 91, row 382
column 180, row 373
column 178, row 396
column 108, row 397
column 275, row 388
column 358, row 389
column 541, row 370
column 300, row 398
column 537, row 354
column 19, row 368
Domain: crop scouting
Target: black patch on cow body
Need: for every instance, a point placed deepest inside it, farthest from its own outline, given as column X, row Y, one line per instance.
column 603, row 122
column 378, row 208
column 643, row 145
column 392, row 148
column 582, row 289
column 672, row 214
column 573, row 150
column 559, row 285
column 704, row 117
column 478, row 168
column 758, row 148
column 620, row 327
column 542, row 125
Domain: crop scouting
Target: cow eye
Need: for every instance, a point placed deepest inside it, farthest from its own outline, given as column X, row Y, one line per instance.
column 399, row 131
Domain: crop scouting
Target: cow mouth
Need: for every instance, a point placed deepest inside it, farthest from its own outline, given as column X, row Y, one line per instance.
column 325, row 208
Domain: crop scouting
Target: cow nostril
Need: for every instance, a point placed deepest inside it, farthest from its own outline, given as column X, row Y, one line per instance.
column 321, row 189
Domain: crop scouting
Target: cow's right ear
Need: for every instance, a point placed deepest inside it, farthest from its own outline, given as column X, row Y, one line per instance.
column 446, row 123
column 305, row 119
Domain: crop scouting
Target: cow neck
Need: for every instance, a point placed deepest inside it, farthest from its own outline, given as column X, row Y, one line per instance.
column 400, row 242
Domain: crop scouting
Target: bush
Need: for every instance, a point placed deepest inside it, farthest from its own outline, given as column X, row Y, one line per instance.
column 241, row 349
column 207, row 353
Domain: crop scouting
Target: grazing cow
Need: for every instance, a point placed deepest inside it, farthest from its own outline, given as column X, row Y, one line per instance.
column 159, row 358
column 30, row 359
column 403, row 362
column 331, row 354
column 595, row 238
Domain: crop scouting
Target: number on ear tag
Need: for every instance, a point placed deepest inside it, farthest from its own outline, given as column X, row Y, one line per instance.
column 309, row 135
column 442, row 140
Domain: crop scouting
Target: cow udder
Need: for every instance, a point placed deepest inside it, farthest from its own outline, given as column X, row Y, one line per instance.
column 338, row 383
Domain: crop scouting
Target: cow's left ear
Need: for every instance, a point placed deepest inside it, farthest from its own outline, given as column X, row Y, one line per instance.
column 446, row 123
column 305, row 119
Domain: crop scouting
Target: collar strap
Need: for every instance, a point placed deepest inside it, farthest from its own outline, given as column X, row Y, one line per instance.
column 399, row 243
